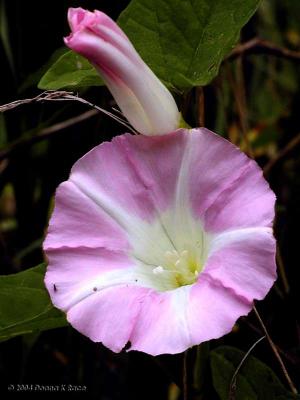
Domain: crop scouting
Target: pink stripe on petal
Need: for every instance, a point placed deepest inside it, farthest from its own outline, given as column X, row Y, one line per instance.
column 213, row 310
column 227, row 189
column 79, row 19
column 157, row 161
column 91, row 47
column 120, row 42
column 246, row 263
column 109, row 316
column 212, row 165
column 247, row 202
column 104, row 20
column 107, row 176
column 78, row 221
column 137, row 173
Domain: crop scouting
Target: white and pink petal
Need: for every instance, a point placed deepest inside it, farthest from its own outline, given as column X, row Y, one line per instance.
column 78, row 221
column 109, row 316
column 170, row 322
column 76, row 273
column 243, row 260
column 126, row 205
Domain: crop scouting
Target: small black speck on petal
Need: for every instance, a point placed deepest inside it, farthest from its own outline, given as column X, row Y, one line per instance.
column 127, row 346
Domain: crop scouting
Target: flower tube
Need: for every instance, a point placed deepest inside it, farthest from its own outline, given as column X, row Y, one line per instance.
column 143, row 99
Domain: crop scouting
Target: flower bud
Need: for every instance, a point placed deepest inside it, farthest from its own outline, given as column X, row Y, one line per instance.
column 143, row 99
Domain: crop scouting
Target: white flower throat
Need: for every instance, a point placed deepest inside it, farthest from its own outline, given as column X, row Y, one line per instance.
column 170, row 252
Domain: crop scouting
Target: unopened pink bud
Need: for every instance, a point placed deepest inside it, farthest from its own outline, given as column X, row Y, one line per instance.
column 143, row 99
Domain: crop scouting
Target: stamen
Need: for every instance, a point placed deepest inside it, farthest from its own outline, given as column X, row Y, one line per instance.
column 184, row 253
column 158, row 270
column 179, row 268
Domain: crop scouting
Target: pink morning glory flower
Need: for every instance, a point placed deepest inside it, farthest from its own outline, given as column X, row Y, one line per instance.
column 162, row 241
column 143, row 99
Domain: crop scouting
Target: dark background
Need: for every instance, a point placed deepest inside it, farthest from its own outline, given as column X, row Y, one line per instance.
column 258, row 94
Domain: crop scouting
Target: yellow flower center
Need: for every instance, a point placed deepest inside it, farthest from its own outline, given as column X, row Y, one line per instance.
column 180, row 268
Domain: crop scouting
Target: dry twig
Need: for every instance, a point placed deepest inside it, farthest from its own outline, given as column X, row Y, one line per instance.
column 62, row 95
column 261, row 46
column 282, row 154
column 276, row 353
column 201, row 106
column 44, row 133
column 238, row 90
column 59, row 95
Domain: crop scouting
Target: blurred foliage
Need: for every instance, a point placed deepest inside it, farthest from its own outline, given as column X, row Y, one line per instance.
column 253, row 100
column 25, row 304
column 255, row 380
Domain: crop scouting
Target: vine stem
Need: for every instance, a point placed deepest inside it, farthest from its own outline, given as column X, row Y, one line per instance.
column 261, row 46
column 44, row 133
column 295, row 142
column 201, row 106
column 185, row 376
column 238, row 89
column 276, row 353
column 281, row 271
column 232, row 386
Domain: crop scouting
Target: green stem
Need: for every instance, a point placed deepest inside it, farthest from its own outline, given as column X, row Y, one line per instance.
column 185, row 376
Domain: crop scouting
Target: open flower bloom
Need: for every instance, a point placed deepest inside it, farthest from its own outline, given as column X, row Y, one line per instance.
column 144, row 100
column 161, row 241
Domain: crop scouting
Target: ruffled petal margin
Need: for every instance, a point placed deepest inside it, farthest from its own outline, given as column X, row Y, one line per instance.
column 140, row 195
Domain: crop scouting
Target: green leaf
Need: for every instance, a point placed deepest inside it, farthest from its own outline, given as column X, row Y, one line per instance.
column 201, row 367
column 25, row 305
column 70, row 71
column 185, row 41
column 255, row 380
column 32, row 80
